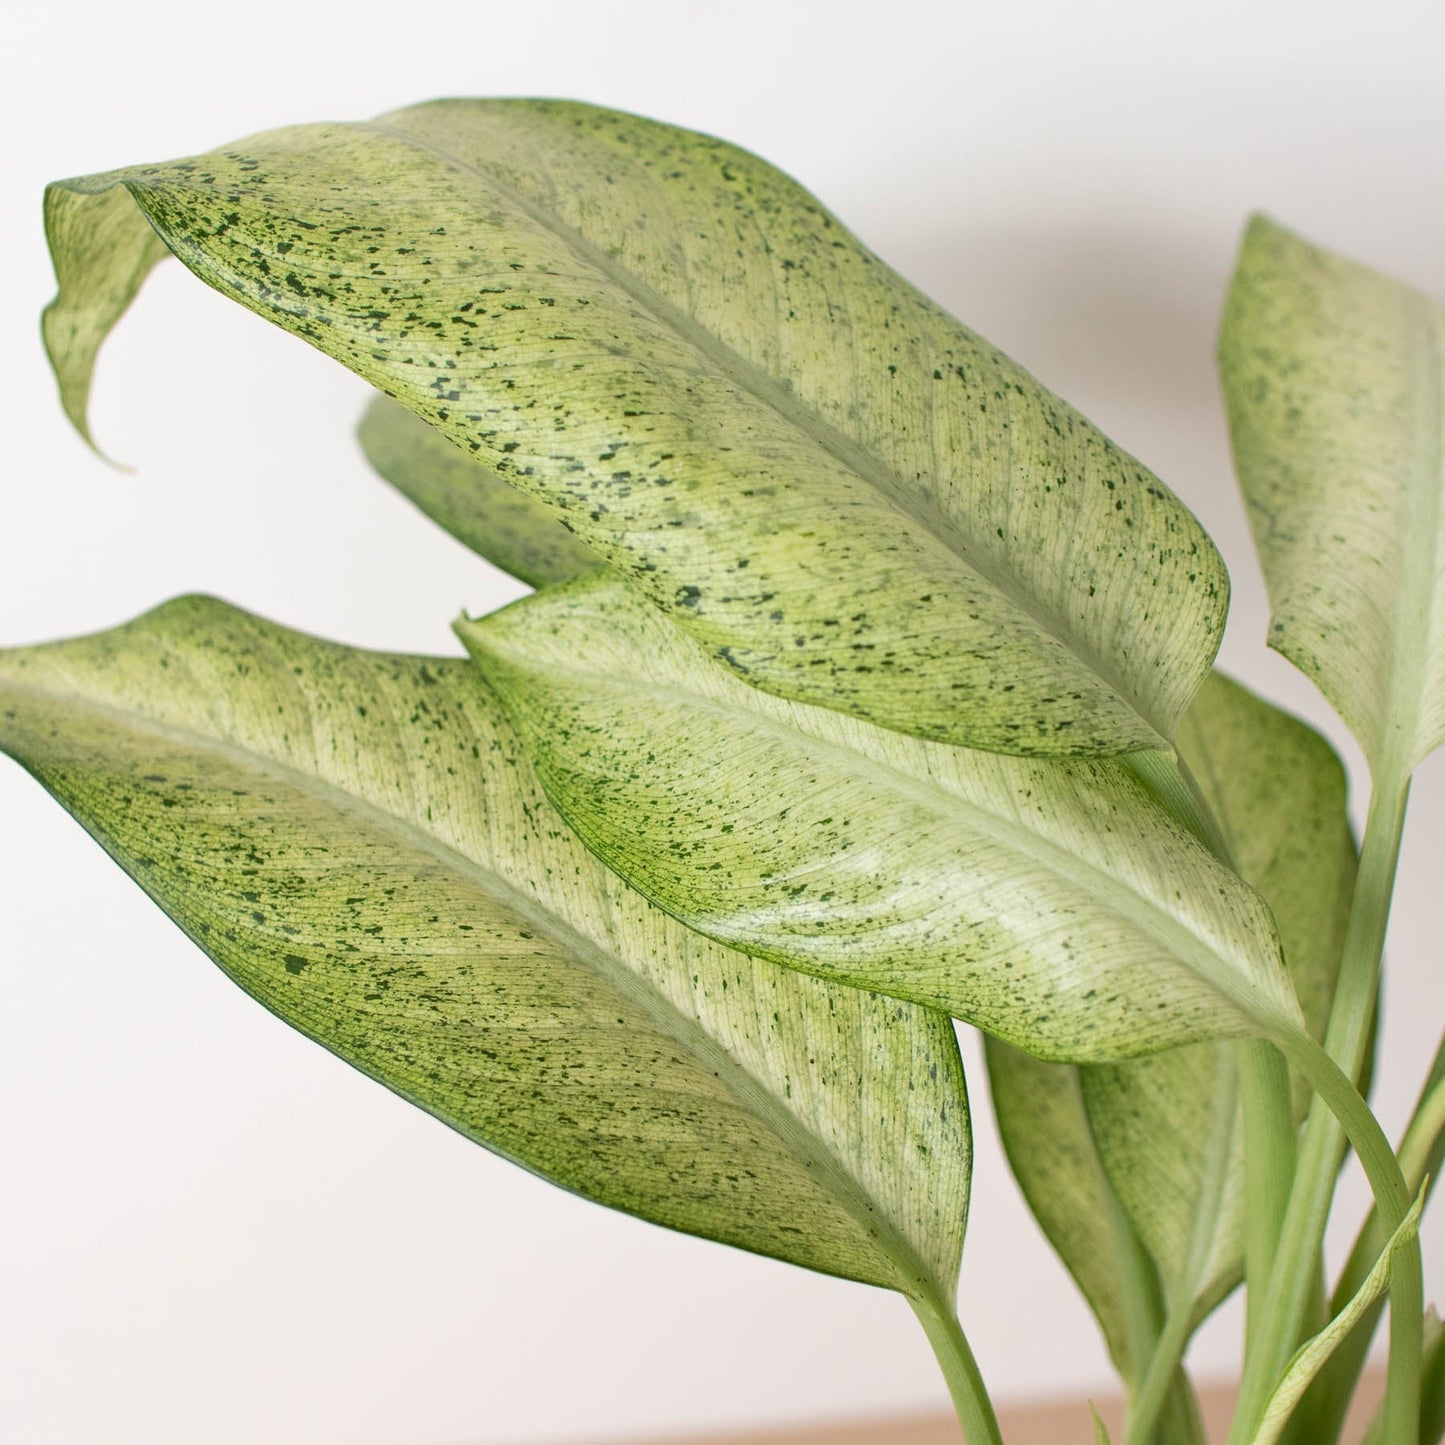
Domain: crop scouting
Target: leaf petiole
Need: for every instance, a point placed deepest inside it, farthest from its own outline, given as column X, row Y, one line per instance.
column 960, row 1369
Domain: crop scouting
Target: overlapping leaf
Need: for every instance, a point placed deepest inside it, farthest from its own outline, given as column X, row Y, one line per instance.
column 840, row 491
column 472, row 502
column 1333, row 375
column 356, row 839
column 1048, row 901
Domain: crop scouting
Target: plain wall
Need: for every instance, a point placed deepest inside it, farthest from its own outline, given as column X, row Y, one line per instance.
column 210, row 1229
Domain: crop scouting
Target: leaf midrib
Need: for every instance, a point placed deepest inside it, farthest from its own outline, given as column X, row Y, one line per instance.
column 874, row 1222
column 748, row 376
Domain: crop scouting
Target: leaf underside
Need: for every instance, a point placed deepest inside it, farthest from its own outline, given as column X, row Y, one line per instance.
column 1333, row 377
column 356, row 839
column 1048, row 901
column 842, row 493
column 510, row 529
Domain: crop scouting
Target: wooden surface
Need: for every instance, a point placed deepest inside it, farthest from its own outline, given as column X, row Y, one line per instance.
column 1061, row 1423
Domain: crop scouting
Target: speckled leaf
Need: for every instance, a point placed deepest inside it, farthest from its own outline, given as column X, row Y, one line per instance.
column 835, row 487
column 1332, row 373
column 1048, row 901
column 472, row 502
column 1278, row 792
column 1312, row 1356
column 355, row 838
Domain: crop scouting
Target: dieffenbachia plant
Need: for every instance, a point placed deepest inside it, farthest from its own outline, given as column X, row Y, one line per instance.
column 865, row 686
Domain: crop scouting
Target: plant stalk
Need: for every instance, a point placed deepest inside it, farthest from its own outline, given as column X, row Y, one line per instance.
column 1421, row 1154
column 1293, row 1268
column 1269, row 1165
column 1281, row 1322
column 960, row 1369
column 1164, row 1370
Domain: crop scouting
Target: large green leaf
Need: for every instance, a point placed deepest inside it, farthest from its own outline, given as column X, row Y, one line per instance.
column 1049, row 901
column 835, row 487
column 472, row 502
column 1278, row 792
column 356, row 839
column 1333, row 376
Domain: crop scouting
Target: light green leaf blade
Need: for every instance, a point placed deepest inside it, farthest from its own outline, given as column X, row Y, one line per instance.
column 1312, row 1356
column 507, row 527
column 356, row 839
column 1279, row 794
column 836, row 488
column 1048, row 901
column 1332, row 374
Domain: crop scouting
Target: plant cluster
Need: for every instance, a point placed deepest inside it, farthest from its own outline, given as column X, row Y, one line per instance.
column 865, row 686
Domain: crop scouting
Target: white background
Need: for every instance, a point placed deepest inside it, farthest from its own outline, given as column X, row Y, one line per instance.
column 209, row 1229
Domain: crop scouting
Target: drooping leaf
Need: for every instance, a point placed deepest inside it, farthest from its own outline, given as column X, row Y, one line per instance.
column 1311, row 1356
column 1332, row 373
column 109, row 249
column 1048, row 901
column 356, row 839
column 472, row 502
column 841, row 492
column 1278, row 792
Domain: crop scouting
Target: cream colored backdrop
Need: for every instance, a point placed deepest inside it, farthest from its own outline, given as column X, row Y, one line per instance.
column 209, row 1229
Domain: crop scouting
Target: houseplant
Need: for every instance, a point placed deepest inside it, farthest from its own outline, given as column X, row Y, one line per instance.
column 866, row 684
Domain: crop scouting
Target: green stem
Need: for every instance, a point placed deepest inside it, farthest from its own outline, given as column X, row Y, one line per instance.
column 1147, row 1406
column 1282, row 1318
column 960, row 1369
column 1269, row 1163
column 1182, row 1422
column 1421, row 1154
column 1292, row 1273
